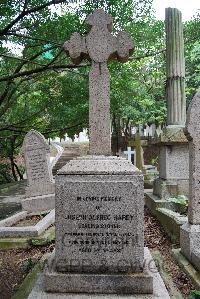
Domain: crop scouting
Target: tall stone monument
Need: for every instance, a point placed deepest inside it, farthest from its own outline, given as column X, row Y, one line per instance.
column 174, row 158
column 99, row 199
column 190, row 232
column 40, row 190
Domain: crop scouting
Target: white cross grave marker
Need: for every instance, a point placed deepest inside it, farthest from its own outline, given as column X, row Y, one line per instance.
column 129, row 152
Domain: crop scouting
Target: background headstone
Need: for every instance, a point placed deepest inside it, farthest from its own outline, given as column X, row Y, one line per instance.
column 36, row 153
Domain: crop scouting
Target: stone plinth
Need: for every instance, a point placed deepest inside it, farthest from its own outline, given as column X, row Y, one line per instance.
column 173, row 164
column 99, row 227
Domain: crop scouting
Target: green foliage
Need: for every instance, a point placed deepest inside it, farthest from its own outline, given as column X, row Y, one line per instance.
column 154, row 161
column 194, row 295
column 41, row 89
column 180, row 199
column 5, row 173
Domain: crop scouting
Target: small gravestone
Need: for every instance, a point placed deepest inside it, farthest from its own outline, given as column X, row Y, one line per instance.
column 190, row 232
column 40, row 187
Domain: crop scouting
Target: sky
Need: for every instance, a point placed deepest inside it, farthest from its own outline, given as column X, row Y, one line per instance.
column 187, row 7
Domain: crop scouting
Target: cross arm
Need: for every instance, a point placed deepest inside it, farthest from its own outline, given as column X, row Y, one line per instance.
column 125, row 46
column 75, row 47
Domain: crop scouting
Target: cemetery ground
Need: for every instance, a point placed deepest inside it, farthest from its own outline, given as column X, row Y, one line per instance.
column 16, row 264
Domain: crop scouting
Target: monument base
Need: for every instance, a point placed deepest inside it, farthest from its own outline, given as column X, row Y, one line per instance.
column 115, row 283
column 159, row 290
column 173, row 164
column 190, row 243
column 39, row 203
column 164, row 188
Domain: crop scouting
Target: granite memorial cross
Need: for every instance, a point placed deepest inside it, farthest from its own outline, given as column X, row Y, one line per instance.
column 99, row 244
column 99, row 46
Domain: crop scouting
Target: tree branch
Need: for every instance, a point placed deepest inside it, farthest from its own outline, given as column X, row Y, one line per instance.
column 41, row 69
column 33, row 38
column 27, row 12
column 147, row 55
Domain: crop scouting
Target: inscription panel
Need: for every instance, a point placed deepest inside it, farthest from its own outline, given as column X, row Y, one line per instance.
column 37, row 166
column 99, row 226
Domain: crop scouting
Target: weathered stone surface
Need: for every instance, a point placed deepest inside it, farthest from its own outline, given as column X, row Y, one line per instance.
column 28, row 231
column 192, row 132
column 196, row 258
column 174, row 162
column 13, row 219
column 36, row 150
column 172, row 135
column 120, row 283
column 99, row 45
column 39, row 203
column 159, row 290
column 189, row 239
column 99, row 215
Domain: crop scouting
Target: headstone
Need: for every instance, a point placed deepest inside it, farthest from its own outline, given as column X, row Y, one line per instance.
column 190, row 232
column 129, row 153
column 36, row 153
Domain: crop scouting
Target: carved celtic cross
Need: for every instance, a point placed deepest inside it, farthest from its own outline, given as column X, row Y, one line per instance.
column 99, row 46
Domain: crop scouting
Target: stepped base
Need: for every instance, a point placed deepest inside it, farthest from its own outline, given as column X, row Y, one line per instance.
column 157, row 286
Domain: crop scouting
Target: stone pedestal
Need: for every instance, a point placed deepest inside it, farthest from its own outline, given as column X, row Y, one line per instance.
column 174, row 164
column 99, row 228
column 190, row 243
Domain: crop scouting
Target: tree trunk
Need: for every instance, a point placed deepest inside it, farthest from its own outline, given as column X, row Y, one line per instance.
column 13, row 168
column 18, row 171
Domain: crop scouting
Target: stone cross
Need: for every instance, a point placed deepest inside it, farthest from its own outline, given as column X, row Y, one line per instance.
column 192, row 132
column 99, row 46
column 129, row 152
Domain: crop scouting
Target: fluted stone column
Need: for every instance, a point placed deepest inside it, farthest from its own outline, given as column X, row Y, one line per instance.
column 175, row 68
column 173, row 152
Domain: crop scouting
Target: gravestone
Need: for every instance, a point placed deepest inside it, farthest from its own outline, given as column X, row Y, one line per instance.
column 190, row 232
column 40, row 187
column 99, row 244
